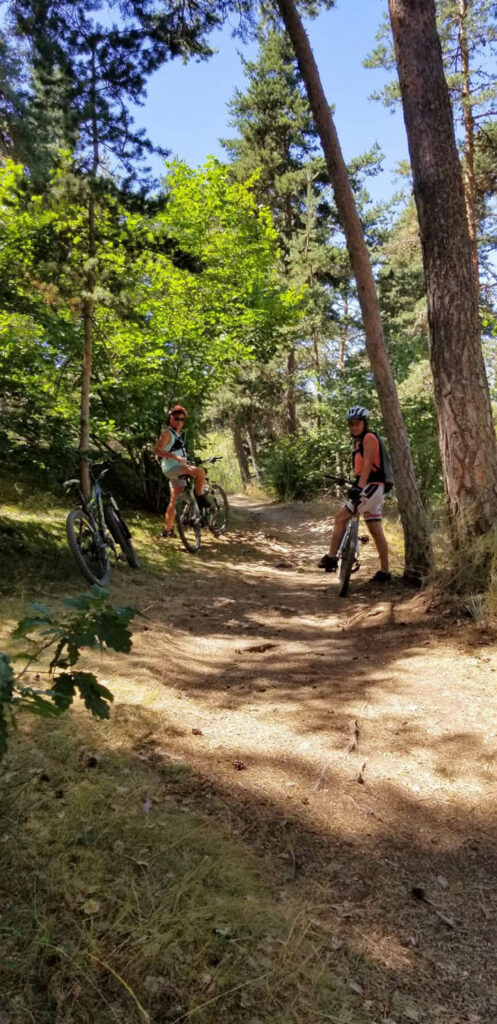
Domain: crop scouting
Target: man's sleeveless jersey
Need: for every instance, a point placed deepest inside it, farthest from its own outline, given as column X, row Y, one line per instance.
column 381, row 472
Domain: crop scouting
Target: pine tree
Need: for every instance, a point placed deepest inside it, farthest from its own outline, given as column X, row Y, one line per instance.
column 277, row 138
column 468, row 31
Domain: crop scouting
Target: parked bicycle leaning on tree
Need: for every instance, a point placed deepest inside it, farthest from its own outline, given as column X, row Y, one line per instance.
column 373, row 478
column 171, row 450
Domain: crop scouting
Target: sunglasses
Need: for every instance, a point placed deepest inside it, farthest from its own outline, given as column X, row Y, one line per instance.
column 180, row 417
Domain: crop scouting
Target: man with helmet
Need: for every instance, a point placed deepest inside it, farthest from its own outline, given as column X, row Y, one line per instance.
column 369, row 461
column 171, row 450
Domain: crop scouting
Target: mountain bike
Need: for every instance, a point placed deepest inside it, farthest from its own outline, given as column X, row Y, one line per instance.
column 350, row 547
column 94, row 530
column 190, row 519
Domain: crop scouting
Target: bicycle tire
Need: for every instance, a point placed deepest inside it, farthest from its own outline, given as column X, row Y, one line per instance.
column 346, row 556
column 121, row 535
column 188, row 524
column 91, row 555
column 218, row 518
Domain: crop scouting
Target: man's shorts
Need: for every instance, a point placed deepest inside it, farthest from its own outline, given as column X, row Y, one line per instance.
column 173, row 474
column 370, row 505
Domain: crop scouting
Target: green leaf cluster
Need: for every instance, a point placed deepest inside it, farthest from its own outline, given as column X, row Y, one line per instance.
column 90, row 621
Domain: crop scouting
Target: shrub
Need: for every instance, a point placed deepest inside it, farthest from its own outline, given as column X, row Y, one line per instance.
column 296, row 467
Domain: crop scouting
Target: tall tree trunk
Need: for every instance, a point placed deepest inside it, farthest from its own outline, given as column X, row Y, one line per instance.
column 469, row 134
column 253, row 452
column 317, row 369
column 467, row 436
column 418, row 552
column 84, row 435
column 241, row 454
column 89, row 300
column 291, row 411
column 344, row 334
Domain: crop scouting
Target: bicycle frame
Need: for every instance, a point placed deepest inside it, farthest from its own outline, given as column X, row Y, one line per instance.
column 345, row 539
column 94, row 508
column 348, row 554
column 189, row 486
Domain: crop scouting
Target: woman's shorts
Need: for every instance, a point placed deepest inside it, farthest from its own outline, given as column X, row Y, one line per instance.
column 174, row 473
column 370, row 504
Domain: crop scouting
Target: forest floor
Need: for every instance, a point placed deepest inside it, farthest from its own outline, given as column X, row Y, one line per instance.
column 327, row 769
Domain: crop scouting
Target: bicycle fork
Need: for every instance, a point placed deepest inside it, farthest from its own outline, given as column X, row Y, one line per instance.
column 343, row 545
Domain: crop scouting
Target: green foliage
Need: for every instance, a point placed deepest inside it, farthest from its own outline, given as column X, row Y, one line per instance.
column 295, row 468
column 161, row 332
column 89, row 622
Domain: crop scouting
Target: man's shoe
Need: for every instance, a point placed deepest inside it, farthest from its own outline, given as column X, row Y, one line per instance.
column 329, row 563
column 381, row 577
column 165, row 534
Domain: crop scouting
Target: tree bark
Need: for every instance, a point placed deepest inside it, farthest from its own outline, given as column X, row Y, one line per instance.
column 84, row 436
column 344, row 334
column 467, row 436
column 291, row 411
column 89, row 301
column 317, row 369
column 418, row 551
column 241, row 454
column 253, row 452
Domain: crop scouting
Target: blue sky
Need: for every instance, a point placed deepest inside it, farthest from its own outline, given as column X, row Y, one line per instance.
column 186, row 109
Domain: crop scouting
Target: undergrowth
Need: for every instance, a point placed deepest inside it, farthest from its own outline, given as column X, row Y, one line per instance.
column 34, row 552
column 467, row 574
column 121, row 904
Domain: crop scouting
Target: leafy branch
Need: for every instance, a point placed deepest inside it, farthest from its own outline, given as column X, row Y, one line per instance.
column 91, row 621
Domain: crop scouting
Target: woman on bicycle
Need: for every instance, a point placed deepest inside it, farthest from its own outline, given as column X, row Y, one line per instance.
column 171, row 450
column 366, row 496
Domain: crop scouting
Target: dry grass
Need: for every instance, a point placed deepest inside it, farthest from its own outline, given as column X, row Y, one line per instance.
column 121, row 904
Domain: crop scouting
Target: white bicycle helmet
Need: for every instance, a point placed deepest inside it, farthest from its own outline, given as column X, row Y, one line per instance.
column 357, row 412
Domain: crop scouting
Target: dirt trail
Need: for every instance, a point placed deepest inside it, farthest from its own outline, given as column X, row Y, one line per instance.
column 356, row 740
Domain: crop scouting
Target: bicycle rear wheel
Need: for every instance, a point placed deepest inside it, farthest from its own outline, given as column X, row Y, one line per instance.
column 188, row 523
column 91, row 554
column 122, row 536
column 217, row 520
column 347, row 555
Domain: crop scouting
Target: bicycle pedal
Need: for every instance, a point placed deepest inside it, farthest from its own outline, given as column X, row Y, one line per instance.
column 365, row 539
column 355, row 567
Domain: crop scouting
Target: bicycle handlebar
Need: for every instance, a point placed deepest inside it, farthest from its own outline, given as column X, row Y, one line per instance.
column 203, row 462
column 70, row 483
column 340, row 480
column 97, row 471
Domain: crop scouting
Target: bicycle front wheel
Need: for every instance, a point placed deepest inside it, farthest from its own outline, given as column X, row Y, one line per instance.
column 188, row 523
column 347, row 555
column 217, row 519
column 90, row 553
column 122, row 536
